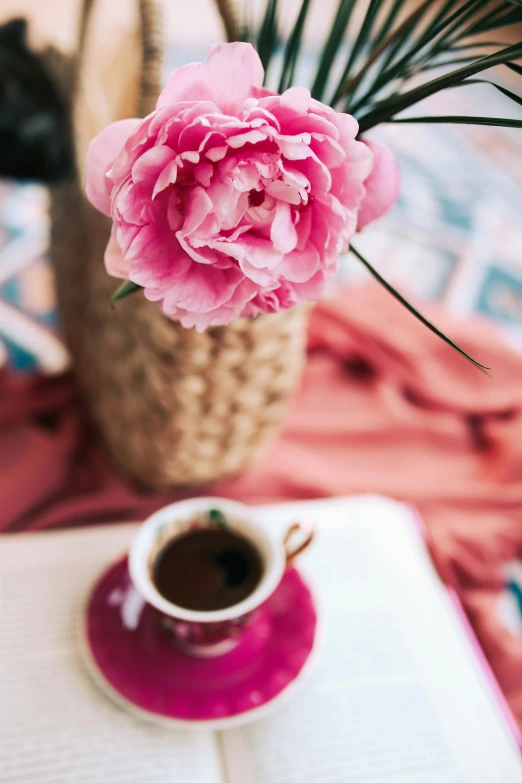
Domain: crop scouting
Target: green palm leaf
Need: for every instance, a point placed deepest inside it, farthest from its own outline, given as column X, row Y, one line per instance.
column 514, row 67
column 293, row 47
column 331, row 47
column 385, row 110
column 362, row 38
column 371, row 269
column 459, row 120
column 388, row 23
column 513, row 96
column 268, row 35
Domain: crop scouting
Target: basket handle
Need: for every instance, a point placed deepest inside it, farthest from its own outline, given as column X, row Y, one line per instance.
column 151, row 46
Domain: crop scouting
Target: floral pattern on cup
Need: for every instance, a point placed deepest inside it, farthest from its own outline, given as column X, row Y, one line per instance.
column 205, row 638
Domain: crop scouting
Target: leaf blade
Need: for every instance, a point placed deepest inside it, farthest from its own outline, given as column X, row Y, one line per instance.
column 514, row 67
column 292, row 48
column 267, row 36
column 331, row 47
column 443, row 32
column 389, row 47
column 513, row 96
column 125, row 289
column 451, row 119
column 361, row 39
column 387, row 24
column 386, row 109
column 391, row 290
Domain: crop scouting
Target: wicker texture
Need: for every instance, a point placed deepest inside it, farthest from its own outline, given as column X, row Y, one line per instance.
column 174, row 407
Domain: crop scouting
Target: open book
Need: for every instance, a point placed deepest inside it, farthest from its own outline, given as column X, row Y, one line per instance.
column 398, row 693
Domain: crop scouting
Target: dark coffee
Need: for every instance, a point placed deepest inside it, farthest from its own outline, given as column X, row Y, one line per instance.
column 208, row 569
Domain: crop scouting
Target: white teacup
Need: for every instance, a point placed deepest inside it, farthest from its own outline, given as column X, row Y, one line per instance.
column 210, row 633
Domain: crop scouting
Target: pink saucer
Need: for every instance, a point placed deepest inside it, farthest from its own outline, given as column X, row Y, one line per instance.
column 144, row 670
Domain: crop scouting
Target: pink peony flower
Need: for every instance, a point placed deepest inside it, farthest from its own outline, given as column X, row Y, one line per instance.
column 382, row 186
column 229, row 200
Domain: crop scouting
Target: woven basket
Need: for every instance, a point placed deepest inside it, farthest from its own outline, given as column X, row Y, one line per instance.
column 174, row 407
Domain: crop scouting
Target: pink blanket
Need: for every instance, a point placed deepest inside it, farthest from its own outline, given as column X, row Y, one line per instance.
column 385, row 407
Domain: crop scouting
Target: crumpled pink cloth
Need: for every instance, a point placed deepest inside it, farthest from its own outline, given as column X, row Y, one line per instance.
column 385, row 407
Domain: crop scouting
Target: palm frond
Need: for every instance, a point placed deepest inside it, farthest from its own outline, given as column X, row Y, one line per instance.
column 514, row 67
column 362, row 38
column 293, row 47
column 332, row 46
column 268, row 35
column 389, row 43
column 508, row 93
column 476, row 45
column 387, row 24
column 386, row 109
column 383, row 52
column 400, row 298
column 430, row 34
column 388, row 49
column 454, row 119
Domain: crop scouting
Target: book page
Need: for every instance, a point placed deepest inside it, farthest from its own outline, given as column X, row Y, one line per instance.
column 396, row 695
column 55, row 725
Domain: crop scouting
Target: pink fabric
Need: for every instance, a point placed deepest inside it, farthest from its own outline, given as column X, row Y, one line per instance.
column 385, row 407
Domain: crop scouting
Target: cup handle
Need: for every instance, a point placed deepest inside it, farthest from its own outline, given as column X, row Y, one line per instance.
column 303, row 534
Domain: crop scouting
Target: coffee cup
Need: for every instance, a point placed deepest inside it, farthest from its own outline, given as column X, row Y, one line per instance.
column 196, row 528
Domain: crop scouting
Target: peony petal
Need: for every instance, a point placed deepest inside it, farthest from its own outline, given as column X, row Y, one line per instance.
column 382, row 185
column 314, row 124
column 101, row 154
column 329, row 151
column 257, row 114
column 282, row 232
column 347, row 125
column 139, row 141
column 303, row 228
column 115, row 263
column 125, row 234
column 261, row 92
column 216, row 153
column 296, row 98
column 315, row 171
column 199, row 205
column 259, row 252
column 191, row 82
column 149, row 166
column 250, row 137
column 300, row 266
column 235, row 70
column 293, row 147
column 206, row 256
column 280, row 190
column 360, row 161
column 174, row 213
column 167, row 177
column 313, row 288
column 294, row 177
column 203, row 288
column 203, row 173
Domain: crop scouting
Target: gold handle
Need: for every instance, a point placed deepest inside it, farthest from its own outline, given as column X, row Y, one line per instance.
column 303, row 532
